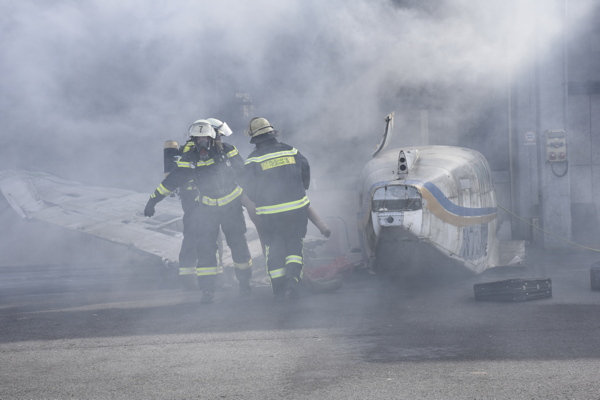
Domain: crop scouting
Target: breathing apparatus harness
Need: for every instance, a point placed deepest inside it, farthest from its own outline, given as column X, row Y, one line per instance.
column 220, row 151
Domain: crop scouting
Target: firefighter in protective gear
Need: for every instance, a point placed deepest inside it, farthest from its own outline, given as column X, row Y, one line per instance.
column 276, row 179
column 214, row 170
column 188, row 254
column 189, row 251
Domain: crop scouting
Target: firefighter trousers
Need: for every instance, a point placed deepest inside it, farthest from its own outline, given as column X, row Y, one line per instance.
column 230, row 219
column 283, row 235
column 188, row 254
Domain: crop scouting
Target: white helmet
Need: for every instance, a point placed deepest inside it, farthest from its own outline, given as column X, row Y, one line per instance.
column 202, row 127
column 220, row 127
column 258, row 126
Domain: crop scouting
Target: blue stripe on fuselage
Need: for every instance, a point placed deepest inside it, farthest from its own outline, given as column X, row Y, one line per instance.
column 438, row 195
column 450, row 206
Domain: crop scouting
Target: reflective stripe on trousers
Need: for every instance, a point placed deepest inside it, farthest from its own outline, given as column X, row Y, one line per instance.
column 293, row 259
column 243, row 265
column 207, row 271
column 187, row 271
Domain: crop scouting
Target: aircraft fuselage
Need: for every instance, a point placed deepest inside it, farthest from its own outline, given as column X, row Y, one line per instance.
column 428, row 205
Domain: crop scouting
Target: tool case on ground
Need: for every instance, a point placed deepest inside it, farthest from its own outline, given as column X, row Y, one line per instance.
column 595, row 275
column 513, row 290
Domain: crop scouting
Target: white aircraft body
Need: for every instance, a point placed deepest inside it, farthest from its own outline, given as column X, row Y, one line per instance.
column 430, row 206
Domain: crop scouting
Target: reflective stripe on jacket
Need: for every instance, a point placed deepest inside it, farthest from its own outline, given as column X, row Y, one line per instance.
column 237, row 192
column 215, row 180
column 276, row 177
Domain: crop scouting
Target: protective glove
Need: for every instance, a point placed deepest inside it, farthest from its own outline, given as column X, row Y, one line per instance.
column 149, row 209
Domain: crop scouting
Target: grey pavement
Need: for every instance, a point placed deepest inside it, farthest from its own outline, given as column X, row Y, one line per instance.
column 108, row 332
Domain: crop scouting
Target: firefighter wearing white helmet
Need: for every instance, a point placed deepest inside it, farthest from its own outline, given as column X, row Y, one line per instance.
column 201, row 127
column 218, row 206
column 172, row 154
column 276, row 177
column 188, row 253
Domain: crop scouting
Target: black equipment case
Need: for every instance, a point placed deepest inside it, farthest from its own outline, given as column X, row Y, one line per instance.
column 514, row 290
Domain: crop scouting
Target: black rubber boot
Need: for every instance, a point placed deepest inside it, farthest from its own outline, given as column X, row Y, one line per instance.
column 208, row 297
column 207, row 285
column 292, row 291
column 279, row 288
column 243, row 276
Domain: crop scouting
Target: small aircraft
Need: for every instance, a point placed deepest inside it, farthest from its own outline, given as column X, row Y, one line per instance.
column 430, row 206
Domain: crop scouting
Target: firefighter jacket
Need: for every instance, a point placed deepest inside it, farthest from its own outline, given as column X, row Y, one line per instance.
column 276, row 177
column 187, row 193
column 214, row 180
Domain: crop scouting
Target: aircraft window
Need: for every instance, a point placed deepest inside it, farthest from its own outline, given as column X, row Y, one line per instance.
column 396, row 198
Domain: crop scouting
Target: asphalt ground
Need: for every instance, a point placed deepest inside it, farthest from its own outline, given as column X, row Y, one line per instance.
column 96, row 331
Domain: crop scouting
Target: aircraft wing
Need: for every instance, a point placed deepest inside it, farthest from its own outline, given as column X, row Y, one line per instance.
column 108, row 213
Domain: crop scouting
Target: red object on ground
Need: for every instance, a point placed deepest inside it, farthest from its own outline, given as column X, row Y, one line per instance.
column 329, row 271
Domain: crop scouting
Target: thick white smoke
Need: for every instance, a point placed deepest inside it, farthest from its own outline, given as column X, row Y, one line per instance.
column 90, row 90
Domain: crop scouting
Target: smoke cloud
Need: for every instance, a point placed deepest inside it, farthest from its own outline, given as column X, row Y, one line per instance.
column 90, row 90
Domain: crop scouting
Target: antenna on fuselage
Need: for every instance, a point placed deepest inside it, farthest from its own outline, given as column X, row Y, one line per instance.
column 387, row 134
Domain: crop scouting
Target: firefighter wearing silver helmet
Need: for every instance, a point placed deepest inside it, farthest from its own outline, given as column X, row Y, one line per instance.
column 276, row 177
column 218, row 205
